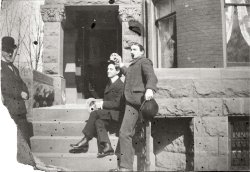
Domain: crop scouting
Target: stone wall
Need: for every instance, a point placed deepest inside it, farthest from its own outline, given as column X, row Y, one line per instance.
column 199, row 33
column 207, row 97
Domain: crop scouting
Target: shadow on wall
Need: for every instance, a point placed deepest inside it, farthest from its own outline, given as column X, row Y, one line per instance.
column 173, row 144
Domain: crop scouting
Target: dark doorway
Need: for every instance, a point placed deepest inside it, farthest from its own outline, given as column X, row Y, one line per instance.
column 98, row 35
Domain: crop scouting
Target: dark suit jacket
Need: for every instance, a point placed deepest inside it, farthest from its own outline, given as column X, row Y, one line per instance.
column 113, row 103
column 139, row 77
column 12, row 85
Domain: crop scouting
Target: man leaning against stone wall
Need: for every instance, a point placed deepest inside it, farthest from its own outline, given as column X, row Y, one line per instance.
column 13, row 93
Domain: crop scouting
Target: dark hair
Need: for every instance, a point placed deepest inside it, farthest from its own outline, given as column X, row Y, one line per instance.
column 139, row 45
column 116, row 66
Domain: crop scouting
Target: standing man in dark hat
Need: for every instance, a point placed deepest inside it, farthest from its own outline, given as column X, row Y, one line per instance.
column 140, row 85
column 14, row 90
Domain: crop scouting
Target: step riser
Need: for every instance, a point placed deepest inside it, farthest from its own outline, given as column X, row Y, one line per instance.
column 40, row 145
column 60, row 114
column 82, row 163
column 58, row 129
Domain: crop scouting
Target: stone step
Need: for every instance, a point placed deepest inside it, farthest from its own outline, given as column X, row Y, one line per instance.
column 58, row 128
column 78, row 162
column 61, row 113
column 61, row 144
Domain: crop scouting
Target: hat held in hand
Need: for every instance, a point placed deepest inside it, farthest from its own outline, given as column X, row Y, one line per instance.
column 149, row 109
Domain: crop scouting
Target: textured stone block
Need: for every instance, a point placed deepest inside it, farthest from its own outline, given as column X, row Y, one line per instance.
column 236, row 106
column 208, row 73
column 211, row 127
column 50, row 56
column 210, row 106
column 169, row 161
column 208, row 88
column 177, row 73
column 223, row 146
column 211, row 163
column 240, row 73
column 174, row 88
column 206, row 145
column 51, row 68
column 178, row 107
column 236, row 88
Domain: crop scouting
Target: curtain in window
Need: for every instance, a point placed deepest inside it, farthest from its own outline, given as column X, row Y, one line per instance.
column 166, row 41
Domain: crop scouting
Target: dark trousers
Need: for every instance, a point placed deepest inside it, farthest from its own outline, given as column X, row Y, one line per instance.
column 127, row 131
column 96, row 127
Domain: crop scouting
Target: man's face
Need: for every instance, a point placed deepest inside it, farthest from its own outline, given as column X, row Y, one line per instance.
column 135, row 51
column 112, row 71
column 8, row 56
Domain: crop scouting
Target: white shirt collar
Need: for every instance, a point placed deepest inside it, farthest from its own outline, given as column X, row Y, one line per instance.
column 114, row 78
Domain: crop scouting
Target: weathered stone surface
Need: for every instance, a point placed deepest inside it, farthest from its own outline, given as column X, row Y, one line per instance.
column 129, row 39
column 177, row 73
column 223, row 146
column 50, row 56
column 53, row 13
column 60, row 93
column 208, row 145
column 210, row 107
column 211, row 127
column 170, row 88
column 90, row 2
column 208, row 88
column 236, row 106
column 178, row 107
column 211, row 163
column 169, row 161
column 52, row 29
column 127, row 13
column 235, row 73
column 236, row 88
column 51, row 68
column 177, row 146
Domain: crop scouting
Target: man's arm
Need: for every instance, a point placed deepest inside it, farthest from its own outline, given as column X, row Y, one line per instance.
column 149, row 75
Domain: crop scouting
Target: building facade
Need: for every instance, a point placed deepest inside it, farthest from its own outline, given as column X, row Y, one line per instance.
column 200, row 50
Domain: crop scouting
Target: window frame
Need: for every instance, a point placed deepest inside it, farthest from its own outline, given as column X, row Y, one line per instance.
column 157, row 49
column 227, row 64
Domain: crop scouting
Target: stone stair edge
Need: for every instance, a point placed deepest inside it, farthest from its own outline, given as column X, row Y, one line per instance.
column 65, row 137
column 58, row 122
column 71, row 155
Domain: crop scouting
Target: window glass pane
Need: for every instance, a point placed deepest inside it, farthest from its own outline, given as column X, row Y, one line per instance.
column 164, row 7
column 238, row 35
column 167, row 42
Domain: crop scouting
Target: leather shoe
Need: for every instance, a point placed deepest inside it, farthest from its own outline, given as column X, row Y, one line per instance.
column 81, row 144
column 107, row 150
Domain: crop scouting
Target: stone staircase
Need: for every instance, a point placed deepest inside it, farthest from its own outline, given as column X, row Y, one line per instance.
column 55, row 128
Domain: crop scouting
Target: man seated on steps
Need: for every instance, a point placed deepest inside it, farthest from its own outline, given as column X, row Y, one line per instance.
column 109, row 113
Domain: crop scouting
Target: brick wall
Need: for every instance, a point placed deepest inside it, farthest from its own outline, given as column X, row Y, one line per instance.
column 199, row 33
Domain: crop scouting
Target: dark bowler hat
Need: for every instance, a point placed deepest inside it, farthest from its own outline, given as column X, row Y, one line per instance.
column 8, row 44
column 149, row 109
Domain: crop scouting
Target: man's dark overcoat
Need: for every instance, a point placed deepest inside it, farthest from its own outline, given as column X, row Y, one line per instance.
column 11, row 86
column 140, row 76
column 113, row 103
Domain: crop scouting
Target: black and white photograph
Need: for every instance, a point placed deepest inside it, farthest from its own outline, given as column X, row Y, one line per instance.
column 125, row 85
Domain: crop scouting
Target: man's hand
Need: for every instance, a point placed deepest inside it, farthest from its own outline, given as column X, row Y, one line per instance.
column 149, row 94
column 24, row 95
column 117, row 59
column 99, row 104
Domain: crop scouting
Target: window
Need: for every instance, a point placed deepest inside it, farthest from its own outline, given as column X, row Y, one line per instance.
column 239, row 143
column 165, row 22
column 237, row 15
